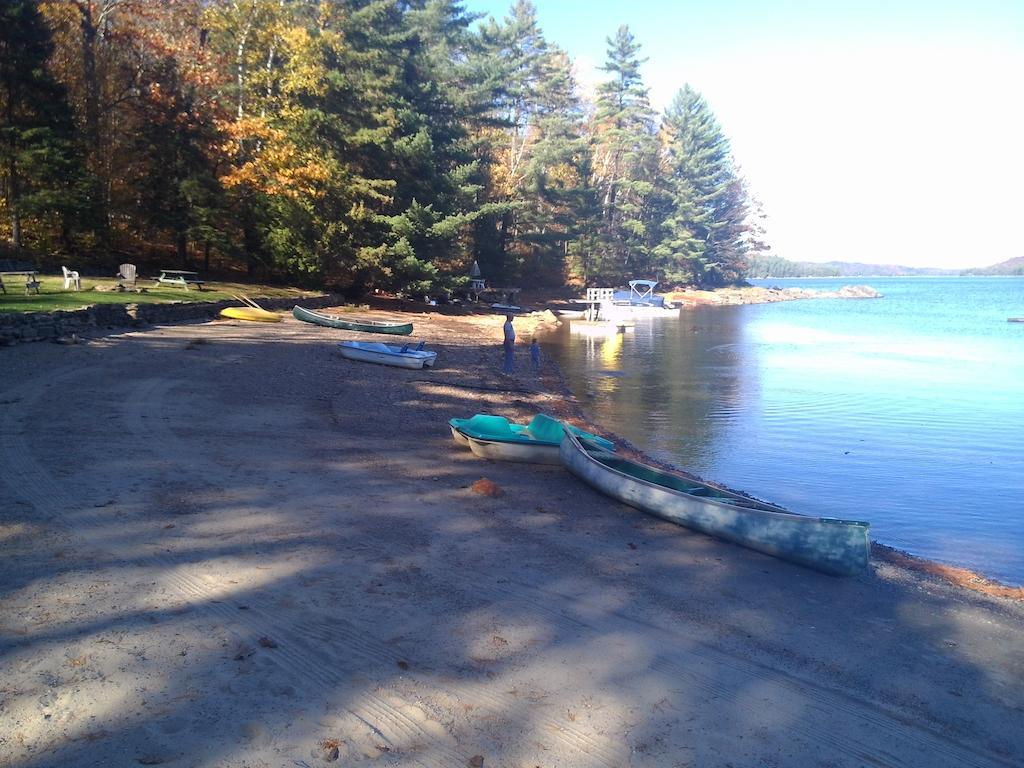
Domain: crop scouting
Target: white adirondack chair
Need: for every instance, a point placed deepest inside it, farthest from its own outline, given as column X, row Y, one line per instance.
column 71, row 277
column 126, row 275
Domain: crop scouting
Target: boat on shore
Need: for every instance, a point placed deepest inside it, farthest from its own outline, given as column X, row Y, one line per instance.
column 496, row 438
column 393, row 327
column 251, row 314
column 832, row 546
column 250, row 311
column 511, row 309
column 387, row 354
column 525, row 451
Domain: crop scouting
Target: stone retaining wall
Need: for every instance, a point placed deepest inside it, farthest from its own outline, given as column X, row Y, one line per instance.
column 17, row 327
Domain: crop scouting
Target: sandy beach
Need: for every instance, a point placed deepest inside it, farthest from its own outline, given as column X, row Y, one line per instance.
column 225, row 545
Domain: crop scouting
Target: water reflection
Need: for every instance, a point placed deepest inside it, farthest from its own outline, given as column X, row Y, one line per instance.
column 859, row 410
column 611, row 350
column 660, row 375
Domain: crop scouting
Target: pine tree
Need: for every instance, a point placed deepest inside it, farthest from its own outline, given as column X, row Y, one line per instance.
column 514, row 50
column 625, row 162
column 440, row 98
column 301, row 122
column 39, row 162
column 378, row 143
column 707, row 234
column 560, row 198
column 176, row 186
column 351, row 160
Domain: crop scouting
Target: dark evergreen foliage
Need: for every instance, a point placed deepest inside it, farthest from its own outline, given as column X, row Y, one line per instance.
column 625, row 165
column 707, row 230
column 373, row 143
column 40, row 165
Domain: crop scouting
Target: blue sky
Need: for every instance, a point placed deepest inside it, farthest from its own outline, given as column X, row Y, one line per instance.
column 885, row 132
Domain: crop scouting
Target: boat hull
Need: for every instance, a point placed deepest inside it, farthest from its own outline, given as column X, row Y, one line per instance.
column 458, row 437
column 526, row 453
column 251, row 314
column 835, row 547
column 494, row 437
column 354, row 350
column 353, row 324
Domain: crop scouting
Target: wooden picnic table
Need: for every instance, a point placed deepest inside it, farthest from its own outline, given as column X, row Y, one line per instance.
column 180, row 277
column 30, row 276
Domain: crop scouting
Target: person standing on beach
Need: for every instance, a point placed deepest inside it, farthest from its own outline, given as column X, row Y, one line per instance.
column 535, row 354
column 510, row 343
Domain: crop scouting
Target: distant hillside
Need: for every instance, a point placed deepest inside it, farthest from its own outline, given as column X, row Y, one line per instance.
column 774, row 266
column 856, row 269
column 1009, row 267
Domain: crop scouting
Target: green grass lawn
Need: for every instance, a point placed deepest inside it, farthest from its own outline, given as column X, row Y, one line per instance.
column 52, row 295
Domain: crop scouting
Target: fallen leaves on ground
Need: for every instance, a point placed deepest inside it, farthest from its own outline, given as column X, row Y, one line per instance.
column 486, row 487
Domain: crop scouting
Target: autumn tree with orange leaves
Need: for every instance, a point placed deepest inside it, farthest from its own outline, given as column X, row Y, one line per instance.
column 364, row 143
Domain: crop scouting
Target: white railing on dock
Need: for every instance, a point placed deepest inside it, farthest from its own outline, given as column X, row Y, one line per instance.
column 600, row 294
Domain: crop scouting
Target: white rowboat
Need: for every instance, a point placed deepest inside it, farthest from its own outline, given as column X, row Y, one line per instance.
column 387, row 354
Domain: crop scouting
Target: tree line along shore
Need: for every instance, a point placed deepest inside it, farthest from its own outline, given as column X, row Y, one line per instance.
column 358, row 143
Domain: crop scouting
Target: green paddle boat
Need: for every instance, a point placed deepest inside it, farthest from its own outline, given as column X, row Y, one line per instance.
column 495, row 437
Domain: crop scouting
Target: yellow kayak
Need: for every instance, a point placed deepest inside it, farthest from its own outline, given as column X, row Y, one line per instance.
column 250, row 313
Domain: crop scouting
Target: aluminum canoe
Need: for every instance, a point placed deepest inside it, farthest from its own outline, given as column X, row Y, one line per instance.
column 836, row 547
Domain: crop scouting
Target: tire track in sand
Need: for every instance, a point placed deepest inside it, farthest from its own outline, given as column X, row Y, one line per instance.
column 824, row 698
column 302, row 652
column 730, row 674
column 727, row 679
column 296, row 653
column 700, row 666
column 372, row 648
column 33, row 482
column 316, row 635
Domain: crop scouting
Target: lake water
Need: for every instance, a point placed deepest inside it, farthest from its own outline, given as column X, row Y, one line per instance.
column 905, row 411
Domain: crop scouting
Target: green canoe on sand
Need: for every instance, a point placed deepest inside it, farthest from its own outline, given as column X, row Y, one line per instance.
column 836, row 547
column 353, row 323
